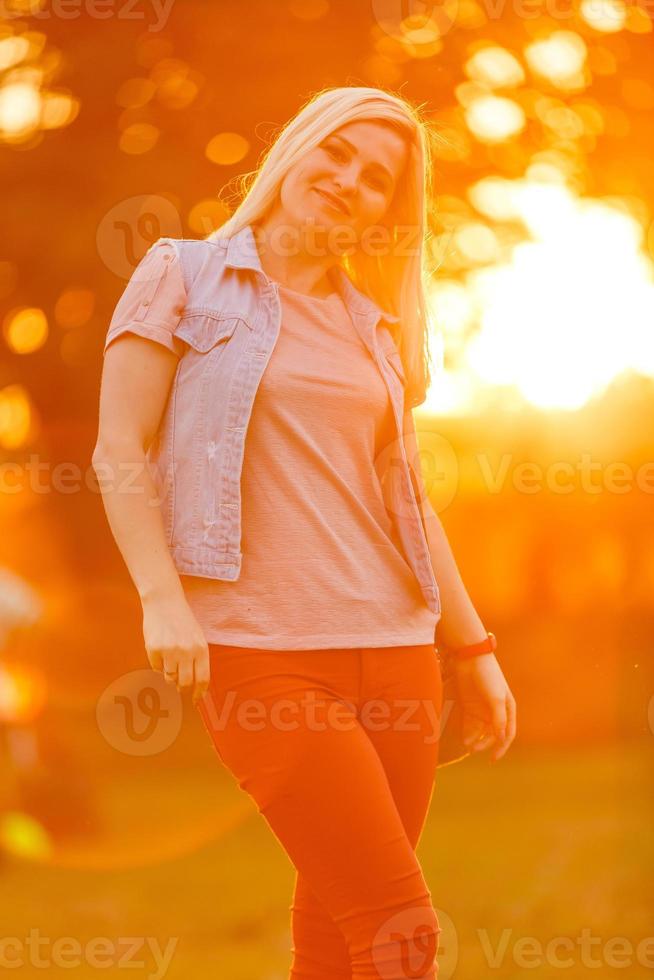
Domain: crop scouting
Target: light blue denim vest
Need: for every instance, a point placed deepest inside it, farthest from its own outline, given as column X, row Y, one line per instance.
column 231, row 321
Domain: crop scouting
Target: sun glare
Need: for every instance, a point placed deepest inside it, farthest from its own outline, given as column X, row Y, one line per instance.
column 570, row 311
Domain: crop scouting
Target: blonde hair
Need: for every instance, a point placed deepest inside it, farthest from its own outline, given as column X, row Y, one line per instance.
column 395, row 281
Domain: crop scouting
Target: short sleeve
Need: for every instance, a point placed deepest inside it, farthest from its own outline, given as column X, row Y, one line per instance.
column 153, row 300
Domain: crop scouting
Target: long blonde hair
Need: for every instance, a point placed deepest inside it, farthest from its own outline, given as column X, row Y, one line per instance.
column 395, row 281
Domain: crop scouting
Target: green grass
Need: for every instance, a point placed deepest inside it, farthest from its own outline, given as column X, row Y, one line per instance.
column 544, row 844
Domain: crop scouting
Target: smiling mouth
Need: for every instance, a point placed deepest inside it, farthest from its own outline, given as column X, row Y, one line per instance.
column 332, row 202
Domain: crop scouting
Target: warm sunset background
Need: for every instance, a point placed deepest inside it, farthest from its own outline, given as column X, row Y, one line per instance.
column 120, row 123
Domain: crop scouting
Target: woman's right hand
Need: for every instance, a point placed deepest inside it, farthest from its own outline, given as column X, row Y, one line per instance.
column 175, row 644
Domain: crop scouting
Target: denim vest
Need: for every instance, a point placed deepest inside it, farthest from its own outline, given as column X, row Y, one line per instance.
column 229, row 324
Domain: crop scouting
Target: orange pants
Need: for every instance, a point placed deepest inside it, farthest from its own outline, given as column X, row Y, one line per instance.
column 338, row 749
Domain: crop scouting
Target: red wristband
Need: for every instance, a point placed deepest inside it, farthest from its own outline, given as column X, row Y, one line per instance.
column 489, row 645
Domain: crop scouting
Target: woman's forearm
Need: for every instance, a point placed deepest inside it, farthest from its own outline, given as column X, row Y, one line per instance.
column 136, row 522
column 460, row 623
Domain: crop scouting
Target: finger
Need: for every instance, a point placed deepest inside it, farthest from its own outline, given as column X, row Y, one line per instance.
column 473, row 728
column 504, row 744
column 156, row 660
column 185, row 675
column 499, row 752
column 170, row 670
column 511, row 719
column 484, row 743
column 472, row 736
column 202, row 677
column 499, row 718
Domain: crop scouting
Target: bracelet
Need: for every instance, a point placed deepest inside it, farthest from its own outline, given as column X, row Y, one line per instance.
column 488, row 645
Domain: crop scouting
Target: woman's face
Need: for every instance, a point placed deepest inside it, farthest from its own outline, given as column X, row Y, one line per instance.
column 359, row 164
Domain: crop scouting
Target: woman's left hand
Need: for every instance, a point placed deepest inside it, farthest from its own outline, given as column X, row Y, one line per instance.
column 489, row 708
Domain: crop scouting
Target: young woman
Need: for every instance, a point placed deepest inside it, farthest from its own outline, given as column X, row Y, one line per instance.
column 260, row 384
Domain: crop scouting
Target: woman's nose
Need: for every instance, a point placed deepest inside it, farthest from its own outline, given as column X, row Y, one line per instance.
column 347, row 178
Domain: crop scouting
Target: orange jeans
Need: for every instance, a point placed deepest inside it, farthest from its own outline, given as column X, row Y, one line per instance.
column 338, row 749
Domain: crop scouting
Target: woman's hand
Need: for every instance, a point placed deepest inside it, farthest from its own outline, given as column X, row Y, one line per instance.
column 175, row 644
column 489, row 708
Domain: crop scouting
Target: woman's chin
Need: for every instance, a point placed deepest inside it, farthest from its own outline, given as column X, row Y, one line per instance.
column 318, row 220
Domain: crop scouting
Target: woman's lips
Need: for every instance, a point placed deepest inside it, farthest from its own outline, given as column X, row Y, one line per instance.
column 332, row 202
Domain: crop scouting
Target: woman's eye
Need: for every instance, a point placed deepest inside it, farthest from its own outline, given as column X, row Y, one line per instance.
column 338, row 154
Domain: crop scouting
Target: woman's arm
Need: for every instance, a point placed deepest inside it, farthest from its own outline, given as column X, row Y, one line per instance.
column 460, row 623
column 489, row 708
column 141, row 354
column 136, row 381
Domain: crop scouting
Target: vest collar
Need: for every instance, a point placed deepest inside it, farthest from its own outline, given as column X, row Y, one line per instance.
column 242, row 253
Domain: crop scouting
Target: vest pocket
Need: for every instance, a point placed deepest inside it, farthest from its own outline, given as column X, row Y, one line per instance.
column 203, row 330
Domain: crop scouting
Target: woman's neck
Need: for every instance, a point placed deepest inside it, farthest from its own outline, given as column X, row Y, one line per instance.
column 292, row 266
